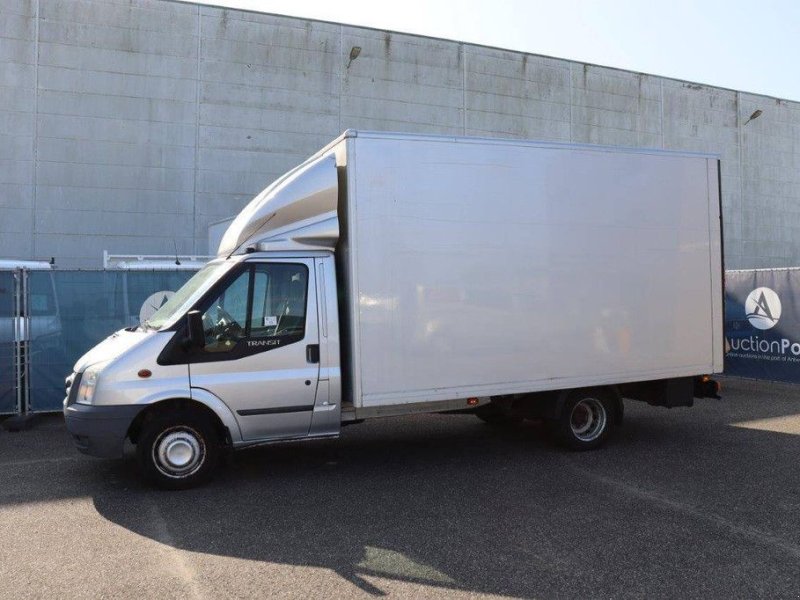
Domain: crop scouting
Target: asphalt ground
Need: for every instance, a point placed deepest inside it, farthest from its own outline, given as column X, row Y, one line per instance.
column 701, row 502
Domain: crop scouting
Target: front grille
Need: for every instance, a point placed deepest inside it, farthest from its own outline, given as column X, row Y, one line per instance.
column 72, row 388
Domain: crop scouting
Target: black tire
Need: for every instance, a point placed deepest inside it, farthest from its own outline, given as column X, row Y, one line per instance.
column 189, row 437
column 491, row 414
column 585, row 420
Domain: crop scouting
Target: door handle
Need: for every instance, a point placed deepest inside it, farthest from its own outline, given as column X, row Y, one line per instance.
column 312, row 353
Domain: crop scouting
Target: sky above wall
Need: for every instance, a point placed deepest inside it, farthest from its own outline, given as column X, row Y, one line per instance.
column 752, row 46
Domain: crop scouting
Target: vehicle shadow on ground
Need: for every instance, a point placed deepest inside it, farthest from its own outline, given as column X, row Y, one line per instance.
column 420, row 506
column 469, row 507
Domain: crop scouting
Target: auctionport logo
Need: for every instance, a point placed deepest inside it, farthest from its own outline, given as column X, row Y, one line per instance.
column 763, row 308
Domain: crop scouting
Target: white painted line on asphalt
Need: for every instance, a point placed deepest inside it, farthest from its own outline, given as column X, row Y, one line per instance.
column 183, row 567
column 751, row 533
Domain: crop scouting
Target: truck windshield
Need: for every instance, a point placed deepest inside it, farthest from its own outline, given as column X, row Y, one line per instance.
column 187, row 295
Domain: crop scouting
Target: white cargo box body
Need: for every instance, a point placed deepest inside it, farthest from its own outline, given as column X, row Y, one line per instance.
column 480, row 267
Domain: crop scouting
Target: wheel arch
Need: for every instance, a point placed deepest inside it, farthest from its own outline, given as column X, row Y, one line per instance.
column 223, row 426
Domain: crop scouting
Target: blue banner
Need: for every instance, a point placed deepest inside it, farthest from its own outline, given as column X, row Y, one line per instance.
column 762, row 324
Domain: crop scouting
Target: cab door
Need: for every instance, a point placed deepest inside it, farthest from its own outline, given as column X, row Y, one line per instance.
column 261, row 353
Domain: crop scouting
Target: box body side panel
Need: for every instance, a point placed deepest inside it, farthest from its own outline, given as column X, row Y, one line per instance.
column 480, row 269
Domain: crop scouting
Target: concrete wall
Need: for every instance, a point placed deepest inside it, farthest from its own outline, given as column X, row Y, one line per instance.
column 130, row 125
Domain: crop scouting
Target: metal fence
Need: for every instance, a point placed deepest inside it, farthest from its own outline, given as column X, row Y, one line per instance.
column 8, row 347
column 49, row 318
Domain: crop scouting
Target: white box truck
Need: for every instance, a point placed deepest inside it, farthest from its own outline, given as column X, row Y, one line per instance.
column 391, row 274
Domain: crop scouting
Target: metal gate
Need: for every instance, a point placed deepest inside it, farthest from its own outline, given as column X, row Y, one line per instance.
column 12, row 363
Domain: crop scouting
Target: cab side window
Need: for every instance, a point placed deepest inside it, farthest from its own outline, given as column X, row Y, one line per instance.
column 279, row 301
column 225, row 319
column 265, row 301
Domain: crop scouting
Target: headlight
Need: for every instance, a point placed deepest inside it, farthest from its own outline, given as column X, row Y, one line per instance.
column 89, row 383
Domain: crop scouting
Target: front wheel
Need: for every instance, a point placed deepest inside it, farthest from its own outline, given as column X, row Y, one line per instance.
column 178, row 450
column 585, row 420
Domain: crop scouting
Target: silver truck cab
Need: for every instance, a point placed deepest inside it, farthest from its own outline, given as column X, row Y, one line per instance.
column 246, row 352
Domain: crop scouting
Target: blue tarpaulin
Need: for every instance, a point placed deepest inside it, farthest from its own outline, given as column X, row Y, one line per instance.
column 71, row 311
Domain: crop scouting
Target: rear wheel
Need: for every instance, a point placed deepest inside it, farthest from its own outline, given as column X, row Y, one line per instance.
column 178, row 450
column 585, row 420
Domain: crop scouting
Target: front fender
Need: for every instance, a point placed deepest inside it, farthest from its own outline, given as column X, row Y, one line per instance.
column 202, row 396
column 221, row 409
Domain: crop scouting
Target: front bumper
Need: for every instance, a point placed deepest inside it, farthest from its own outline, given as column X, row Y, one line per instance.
column 100, row 430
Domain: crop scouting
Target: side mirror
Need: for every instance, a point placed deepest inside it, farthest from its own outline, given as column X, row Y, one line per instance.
column 194, row 325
